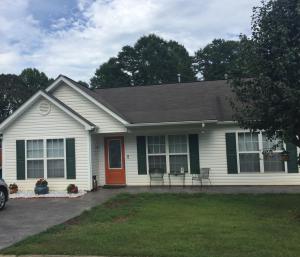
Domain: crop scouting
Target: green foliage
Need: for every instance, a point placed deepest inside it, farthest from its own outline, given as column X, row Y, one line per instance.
column 152, row 60
column 222, row 57
column 110, row 74
column 83, row 83
column 191, row 225
column 15, row 90
column 270, row 100
column 216, row 59
column 34, row 80
column 13, row 93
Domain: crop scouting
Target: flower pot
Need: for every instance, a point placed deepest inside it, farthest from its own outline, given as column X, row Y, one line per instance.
column 41, row 190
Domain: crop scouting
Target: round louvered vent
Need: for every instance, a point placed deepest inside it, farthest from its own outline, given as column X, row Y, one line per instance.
column 44, row 108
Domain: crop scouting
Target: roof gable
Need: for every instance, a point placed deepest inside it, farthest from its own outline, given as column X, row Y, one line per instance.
column 90, row 95
column 41, row 94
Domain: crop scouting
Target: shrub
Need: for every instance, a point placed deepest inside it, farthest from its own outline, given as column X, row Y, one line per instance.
column 13, row 188
column 72, row 189
column 41, row 182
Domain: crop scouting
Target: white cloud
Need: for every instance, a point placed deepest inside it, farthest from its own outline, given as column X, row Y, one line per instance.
column 76, row 46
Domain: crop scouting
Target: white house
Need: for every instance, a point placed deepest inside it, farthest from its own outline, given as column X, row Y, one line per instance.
column 69, row 133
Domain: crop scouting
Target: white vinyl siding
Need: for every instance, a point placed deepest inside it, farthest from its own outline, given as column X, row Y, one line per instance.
column 212, row 154
column 104, row 121
column 31, row 126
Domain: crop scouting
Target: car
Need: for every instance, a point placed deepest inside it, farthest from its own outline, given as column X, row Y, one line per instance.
column 3, row 194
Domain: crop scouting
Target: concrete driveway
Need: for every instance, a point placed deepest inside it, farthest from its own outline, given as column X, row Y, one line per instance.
column 25, row 217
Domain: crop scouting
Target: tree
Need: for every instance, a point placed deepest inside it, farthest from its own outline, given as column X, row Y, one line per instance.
column 270, row 99
column 83, row 83
column 216, row 59
column 13, row 93
column 110, row 74
column 34, row 80
column 15, row 90
column 152, row 60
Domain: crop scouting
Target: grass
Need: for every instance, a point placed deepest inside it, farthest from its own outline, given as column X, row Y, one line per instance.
column 177, row 225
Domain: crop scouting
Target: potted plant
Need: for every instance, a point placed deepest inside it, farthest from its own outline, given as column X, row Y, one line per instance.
column 268, row 154
column 284, row 155
column 13, row 188
column 72, row 189
column 41, row 187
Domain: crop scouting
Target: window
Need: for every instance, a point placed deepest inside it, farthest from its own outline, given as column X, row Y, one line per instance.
column 115, row 154
column 258, row 154
column 45, row 155
column 178, row 151
column 167, row 153
column 272, row 156
column 157, row 154
column 55, row 158
column 248, row 152
column 35, row 159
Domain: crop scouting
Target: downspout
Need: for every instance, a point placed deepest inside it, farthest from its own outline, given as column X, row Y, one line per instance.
column 90, row 167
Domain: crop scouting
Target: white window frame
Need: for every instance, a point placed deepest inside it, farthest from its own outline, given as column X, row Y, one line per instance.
column 55, row 158
column 35, row 158
column 167, row 152
column 261, row 157
column 45, row 158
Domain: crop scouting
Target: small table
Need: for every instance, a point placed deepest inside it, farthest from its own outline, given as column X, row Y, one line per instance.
column 177, row 174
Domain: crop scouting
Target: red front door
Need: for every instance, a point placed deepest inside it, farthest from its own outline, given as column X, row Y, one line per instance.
column 115, row 161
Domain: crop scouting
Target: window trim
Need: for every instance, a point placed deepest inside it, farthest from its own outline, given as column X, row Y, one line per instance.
column 45, row 158
column 56, row 158
column 167, row 152
column 261, row 157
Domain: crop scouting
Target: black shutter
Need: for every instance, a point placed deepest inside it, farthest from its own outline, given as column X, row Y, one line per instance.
column 292, row 162
column 194, row 153
column 231, row 153
column 20, row 159
column 70, row 158
column 141, row 155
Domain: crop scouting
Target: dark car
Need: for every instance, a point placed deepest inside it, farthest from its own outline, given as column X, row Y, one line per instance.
column 3, row 194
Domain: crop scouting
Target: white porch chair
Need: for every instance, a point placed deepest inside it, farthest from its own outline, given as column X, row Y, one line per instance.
column 204, row 174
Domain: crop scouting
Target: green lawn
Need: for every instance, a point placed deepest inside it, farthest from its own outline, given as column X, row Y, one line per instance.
column 178, row 225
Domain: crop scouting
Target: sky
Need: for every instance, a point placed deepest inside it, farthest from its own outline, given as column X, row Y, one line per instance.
column 73, row 37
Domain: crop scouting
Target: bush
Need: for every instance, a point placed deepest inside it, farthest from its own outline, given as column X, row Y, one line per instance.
column 72, row 189
column 41, row 182
column 13, row 188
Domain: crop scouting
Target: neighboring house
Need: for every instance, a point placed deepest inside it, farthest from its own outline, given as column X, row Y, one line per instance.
column 68, row 134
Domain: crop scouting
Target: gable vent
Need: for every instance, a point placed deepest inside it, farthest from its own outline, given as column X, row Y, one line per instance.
column 44, row 108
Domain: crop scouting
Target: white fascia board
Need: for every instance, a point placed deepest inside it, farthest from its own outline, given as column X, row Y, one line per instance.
column 32, row 100
column 170, row 123
column 104, row 108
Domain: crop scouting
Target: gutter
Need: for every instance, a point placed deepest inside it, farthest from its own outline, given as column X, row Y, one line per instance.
column 226, row 122
column 158, row 124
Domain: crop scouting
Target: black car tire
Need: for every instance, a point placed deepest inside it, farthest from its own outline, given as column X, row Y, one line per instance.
column 2, row 199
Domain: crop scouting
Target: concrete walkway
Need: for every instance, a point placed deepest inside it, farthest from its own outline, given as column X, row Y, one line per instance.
column 24, row 217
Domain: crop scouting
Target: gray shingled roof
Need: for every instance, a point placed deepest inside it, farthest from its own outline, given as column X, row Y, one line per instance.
column 197, row 101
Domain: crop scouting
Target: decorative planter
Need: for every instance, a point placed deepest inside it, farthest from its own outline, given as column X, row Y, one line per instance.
column 41, row 190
